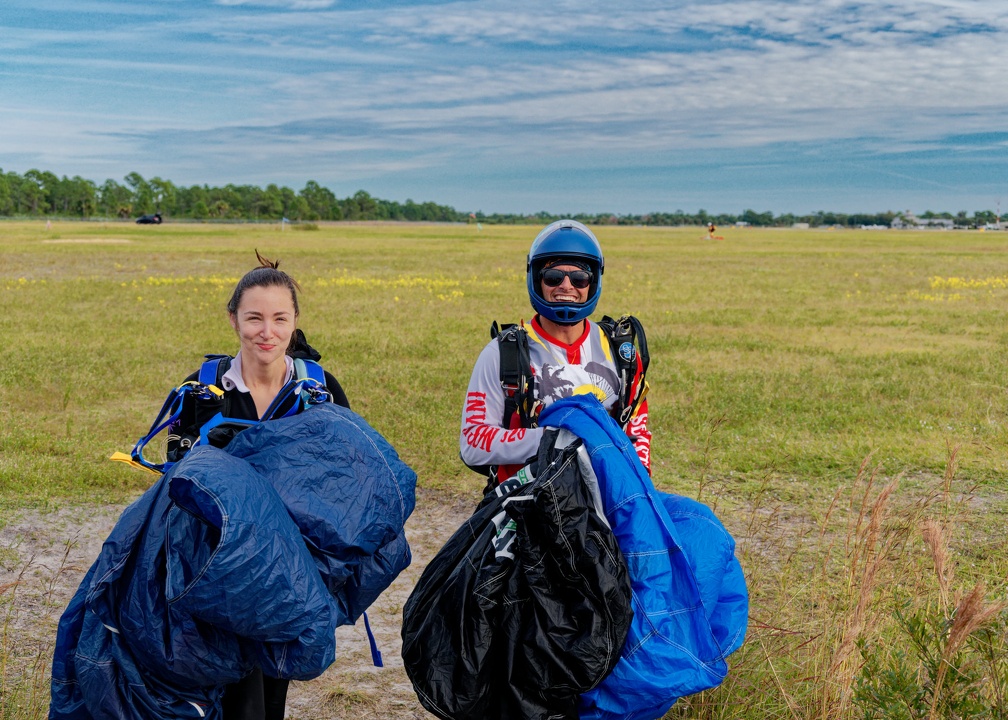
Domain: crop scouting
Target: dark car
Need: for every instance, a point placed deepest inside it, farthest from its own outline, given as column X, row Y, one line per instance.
column 154, row 219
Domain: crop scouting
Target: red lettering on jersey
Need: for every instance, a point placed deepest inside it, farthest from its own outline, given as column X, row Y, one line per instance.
column 513, row 435
column 638, row 431
column 481, row 436
column 475, row 408
column 644, row 453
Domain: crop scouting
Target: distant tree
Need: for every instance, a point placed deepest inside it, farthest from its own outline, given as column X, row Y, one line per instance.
column 143, row 196
column 754, row 218
column 220, row 209
column 5, row 195
column 112, row 197
column 360, row 207
column 199, row 211
column 294, row 206
column 163, row 194
column 321, row 201
column 31, row 195
column 85, row 196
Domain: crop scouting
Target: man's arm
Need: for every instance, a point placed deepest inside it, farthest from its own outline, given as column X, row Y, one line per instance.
column 483, row 439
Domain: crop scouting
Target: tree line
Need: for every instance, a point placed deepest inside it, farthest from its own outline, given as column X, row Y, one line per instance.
column 42, row 193
column 39, row 193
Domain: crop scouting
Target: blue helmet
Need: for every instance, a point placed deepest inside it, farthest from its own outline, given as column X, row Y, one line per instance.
column 565, row 239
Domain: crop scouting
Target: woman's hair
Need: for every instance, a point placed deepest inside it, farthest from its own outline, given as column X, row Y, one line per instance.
column 266, row 275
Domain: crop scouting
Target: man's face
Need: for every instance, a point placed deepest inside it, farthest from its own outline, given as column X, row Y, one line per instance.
column 565, row 291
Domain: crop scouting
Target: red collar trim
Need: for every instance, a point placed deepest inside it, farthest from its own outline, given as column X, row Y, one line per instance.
column 571, row 349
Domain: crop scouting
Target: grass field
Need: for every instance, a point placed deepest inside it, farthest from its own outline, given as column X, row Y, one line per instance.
column 781, row 360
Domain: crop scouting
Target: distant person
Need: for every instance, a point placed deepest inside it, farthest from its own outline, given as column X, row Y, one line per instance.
column 710, row 231
column 568, row 354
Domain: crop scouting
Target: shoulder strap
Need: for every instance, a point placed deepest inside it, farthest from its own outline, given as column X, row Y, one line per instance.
column 628, row 342
column 312, row 392
column 211, row 374
column 305, row 368
column 516, row 376
column 213, row 369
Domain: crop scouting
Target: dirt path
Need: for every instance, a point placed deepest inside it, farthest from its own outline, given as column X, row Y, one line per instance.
column 43, row 557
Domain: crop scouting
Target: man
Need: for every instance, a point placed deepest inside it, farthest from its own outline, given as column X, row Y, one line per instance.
column 567, row 354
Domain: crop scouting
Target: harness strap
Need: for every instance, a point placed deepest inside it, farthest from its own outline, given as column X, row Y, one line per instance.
column 309, row 387
column 307, row 391
column 171, row 409
column 516, row 376
column 212, row 369
column 628, row 342
column 376, row 656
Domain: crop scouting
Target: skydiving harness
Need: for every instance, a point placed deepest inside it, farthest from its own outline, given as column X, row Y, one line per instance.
column 626, row 341
column 308, row 387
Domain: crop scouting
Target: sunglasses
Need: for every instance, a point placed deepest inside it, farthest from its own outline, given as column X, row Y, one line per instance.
column 554, row 277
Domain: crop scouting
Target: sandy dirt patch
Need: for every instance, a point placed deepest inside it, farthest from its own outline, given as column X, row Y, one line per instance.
column 47, row 553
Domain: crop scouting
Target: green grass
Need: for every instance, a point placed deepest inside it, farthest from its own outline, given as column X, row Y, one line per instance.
column 807, row 349
column 781, row 359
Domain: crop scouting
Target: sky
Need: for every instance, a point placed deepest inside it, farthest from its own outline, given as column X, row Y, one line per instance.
column 519, row 106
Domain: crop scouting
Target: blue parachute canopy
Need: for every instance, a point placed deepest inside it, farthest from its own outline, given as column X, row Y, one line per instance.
column 236, row 558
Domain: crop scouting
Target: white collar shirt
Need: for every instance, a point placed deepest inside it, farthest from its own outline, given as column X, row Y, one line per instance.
column 233, row 380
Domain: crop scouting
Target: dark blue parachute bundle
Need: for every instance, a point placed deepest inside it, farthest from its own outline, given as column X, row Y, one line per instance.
column 350, row 498
column 689, row 598
column 247, row 556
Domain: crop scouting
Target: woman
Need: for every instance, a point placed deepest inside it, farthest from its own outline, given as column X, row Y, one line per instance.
column 263, row 311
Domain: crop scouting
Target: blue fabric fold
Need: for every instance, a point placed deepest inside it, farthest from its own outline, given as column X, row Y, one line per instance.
column 236, row 558
column 689, row 595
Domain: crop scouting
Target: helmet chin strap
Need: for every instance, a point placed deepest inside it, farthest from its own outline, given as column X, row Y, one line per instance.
column 566, row 323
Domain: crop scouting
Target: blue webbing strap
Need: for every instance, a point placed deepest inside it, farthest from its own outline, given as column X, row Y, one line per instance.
column 219, row 419
column 376, row 657
column 173, row 408
column 314, row 390
column 310, row 388
column 307, row 388
column 208, row 370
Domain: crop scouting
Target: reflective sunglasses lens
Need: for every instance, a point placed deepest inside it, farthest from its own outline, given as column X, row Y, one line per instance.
column 580, row 279
column 554, row 278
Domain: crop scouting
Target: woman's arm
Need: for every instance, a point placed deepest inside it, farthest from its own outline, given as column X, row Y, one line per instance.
column 336, row 390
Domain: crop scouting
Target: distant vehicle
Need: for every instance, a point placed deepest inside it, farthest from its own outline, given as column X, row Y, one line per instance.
column 154, row 219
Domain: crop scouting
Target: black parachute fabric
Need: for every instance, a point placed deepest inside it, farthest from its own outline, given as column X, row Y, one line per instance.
column 525, row 607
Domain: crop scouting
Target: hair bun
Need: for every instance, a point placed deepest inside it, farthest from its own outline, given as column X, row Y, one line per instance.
column 266, row 262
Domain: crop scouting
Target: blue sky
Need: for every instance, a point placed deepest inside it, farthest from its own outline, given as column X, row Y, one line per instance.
column 519, row 106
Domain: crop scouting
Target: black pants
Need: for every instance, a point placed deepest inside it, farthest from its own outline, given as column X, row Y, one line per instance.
column 255, row 697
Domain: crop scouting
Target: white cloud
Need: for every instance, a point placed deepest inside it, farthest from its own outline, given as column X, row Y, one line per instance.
column 400, row 86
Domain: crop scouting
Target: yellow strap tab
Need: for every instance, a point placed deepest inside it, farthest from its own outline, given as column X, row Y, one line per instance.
column 604, row 342
column 124, row 458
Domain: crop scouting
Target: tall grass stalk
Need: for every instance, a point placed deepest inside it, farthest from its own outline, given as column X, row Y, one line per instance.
column 840, row 611
column 31, row 604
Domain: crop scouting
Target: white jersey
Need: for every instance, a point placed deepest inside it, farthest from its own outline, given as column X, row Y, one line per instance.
column 560, row 370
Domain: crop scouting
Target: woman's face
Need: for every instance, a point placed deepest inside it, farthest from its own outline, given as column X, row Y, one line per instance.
column 264, row 321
